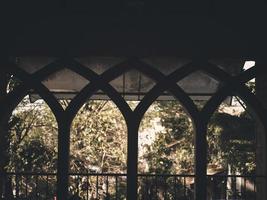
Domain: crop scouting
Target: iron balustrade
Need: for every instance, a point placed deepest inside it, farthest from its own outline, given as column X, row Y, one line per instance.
column 165, row 186
column 232, row 187
column 87, row 186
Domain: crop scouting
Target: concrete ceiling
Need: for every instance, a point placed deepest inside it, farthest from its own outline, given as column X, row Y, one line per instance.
column 135, row 28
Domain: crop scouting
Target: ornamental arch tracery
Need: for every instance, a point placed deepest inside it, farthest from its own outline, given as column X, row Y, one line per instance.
column 163, row 82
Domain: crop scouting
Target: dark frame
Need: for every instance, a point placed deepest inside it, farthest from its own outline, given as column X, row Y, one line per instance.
column 231, row 85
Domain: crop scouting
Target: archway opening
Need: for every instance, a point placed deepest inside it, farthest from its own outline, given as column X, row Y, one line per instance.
column 166, row 152
column 98, row 152
column 233, row 164
column 31, row 163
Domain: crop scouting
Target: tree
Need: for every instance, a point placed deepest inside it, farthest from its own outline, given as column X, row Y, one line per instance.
column 99, row 139
column 7, row 83
column 173, row 149
column 33, row 138
column 231, row 141
column 98, row 145
column 99, row 142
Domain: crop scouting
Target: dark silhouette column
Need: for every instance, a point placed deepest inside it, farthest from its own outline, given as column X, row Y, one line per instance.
column 132, row 160
column 5, row 182
column 200, row 162
column 261, row 93
column 63, row 159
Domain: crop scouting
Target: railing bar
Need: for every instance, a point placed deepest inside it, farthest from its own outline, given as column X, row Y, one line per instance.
column 165, row 187
column 26, row 178
column 146, row 183
column 255, row 192
column 98, row 174
column 123, row 174
column 237, row 176
column 184, row 184
column 77, row 184
column 15, row 186
column 225, row 187
column 20, row 185
column 175, row 189
column 214, row 180
column 47, row 189
column 96, row 186
column 87, row 188
column 107, row 194
column 245, row 187
column 166, row 175
column 235, row 190
column 36, row 188
column 116, row 187
column 30, row 173
column 156, row 186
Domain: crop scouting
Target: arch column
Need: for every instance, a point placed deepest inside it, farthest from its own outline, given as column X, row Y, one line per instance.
column 132, row 158
column 261, row 93
column 63, row 158
column 3, row 130
column 200, row 161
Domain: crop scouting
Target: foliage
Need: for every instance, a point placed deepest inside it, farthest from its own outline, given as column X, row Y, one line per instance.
column 173, row 150
column 231, row 141
column 30, row 127
column 99, row 142
column 251, row 85
column 98, row 139
column 13, row 83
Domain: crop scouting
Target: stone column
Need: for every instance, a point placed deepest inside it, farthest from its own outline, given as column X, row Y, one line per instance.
column 261, row 93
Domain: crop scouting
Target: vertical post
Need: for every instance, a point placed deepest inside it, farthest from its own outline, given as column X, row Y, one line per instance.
column 4, row 141
column 132, row 160
column 63, row 158
column 200, row 161
column 2, row 132
column 261, row 93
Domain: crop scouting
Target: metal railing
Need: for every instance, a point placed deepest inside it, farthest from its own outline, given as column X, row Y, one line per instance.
column 165, row 186
column 233, row 187
column 29, row 186
column 104, row 186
